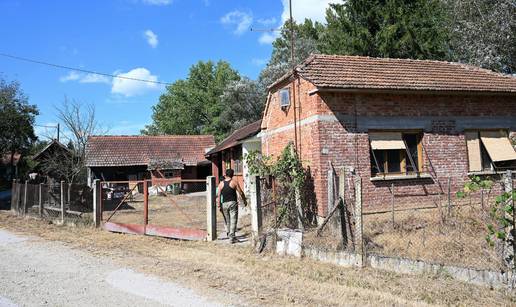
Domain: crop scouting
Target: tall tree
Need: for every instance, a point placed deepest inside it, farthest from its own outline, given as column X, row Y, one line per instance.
column 387, row 28
column 16, row 121
column 194, row 105
column 244, row 100
column 484, row 33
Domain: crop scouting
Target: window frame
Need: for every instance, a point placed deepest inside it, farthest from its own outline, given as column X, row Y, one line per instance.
column 280, row 94
column 484, row 152
column 402, row 156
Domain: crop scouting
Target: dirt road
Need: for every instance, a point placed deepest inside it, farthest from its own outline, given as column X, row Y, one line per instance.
column 35, row 272
column 218, row 272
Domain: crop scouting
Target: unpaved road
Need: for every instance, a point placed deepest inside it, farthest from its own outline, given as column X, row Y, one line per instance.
column 34, row 272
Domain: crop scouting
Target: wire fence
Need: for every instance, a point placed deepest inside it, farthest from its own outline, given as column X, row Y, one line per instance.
column 59, row 203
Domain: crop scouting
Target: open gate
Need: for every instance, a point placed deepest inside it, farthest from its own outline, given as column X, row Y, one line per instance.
column 172, row 208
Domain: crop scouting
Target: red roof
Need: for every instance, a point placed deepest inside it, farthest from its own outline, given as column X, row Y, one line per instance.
column 358, row 72
column 237, row 136
column 104, row 151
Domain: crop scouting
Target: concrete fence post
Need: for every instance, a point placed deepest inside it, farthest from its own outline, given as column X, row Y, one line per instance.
column 331, row 189
column 40, row 199
column 211, row 208
column 14, row 197
column 25, row 198
column 62, row 203
column 359, row 241
column 510, row 246
column 345, row 223
column 96, row 202
column 256, row 209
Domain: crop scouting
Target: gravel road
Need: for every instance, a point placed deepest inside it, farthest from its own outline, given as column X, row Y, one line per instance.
column 34, row 272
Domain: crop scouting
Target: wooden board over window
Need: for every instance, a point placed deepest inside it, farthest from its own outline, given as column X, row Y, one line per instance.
column 386, row 140
column 474, row 156
column 498, row 145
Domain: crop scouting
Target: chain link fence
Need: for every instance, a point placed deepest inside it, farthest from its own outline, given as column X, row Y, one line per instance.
column 58, row 203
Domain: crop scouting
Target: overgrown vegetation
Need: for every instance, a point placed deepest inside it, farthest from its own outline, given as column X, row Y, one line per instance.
column 287, row 179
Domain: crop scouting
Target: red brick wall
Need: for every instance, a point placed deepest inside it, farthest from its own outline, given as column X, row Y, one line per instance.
column 444, row 152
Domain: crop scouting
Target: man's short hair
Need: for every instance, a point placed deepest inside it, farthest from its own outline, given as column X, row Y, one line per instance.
column 230, row 172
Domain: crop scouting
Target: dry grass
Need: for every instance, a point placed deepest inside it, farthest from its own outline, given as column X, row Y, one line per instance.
column 425, row 235
column 261, row 279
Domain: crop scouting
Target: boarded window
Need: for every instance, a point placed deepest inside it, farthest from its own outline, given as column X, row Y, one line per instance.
column 386, row 140
column 489, row 149
column 498, row 145
column 473, row 146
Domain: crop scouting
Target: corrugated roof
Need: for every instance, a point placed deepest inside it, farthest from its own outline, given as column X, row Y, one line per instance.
column 358, row 72
column 238, row 135
column 141, row 150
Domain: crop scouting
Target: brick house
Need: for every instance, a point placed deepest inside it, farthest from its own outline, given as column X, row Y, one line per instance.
column 231, row 151
column 409, row 122
column 131, row 158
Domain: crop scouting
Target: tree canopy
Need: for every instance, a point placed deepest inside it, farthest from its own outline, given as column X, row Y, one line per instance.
column 194, row 105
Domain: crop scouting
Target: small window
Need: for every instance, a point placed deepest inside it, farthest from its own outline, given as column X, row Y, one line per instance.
column 284, row 97
column 395, row 153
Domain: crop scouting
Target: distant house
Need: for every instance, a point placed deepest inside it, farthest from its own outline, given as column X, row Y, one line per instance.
column 51, row 160
column 231, row 151
column 8, row 168
column 131, row 158
column 411, row 123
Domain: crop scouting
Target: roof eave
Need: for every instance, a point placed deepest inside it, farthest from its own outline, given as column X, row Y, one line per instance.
column 409, row 91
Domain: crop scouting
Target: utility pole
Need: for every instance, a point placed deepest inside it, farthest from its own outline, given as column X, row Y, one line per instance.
column 58, row 132
column 292, row 57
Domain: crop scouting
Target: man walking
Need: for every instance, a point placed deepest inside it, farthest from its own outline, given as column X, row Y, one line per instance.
column 228, row 189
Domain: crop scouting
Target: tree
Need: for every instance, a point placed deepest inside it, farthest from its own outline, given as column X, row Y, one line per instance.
column 16, row 121
column 484, row 33
column 194, row 105
column 80, row 123
column 413, row 29
column 244, row 100
column 306, row 36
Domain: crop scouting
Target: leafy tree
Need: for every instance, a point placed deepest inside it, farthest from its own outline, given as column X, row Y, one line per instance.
column 194, row 105
column 387, row 28
column 244, row 100
column 484, row 33
column 306, row 36
column 16, row 120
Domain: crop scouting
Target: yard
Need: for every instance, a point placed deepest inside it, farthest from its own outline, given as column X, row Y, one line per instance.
column 238, row 272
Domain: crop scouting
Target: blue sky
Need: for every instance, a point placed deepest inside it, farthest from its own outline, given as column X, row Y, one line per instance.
column 147, row 39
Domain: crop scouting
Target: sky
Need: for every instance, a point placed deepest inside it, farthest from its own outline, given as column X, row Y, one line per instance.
column 155, row 40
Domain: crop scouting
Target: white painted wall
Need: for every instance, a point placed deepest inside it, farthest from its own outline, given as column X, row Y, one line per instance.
column 249, row 145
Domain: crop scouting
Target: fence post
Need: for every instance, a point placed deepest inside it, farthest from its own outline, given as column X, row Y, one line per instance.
column 392, row 205
column 510, row 247
column 211, row 208
column 345, row 225
column 25, row 197
column 359, row 242
column 96, row 202
column 256, row 209
column 40, row 199
column 62, row 203
column 14, row 200
column 449, row 196
column 145, row 205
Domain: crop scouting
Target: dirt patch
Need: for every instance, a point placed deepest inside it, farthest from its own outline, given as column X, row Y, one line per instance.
column 262, row 279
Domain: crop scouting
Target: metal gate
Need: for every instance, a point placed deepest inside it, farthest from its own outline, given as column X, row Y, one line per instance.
column 172, row 208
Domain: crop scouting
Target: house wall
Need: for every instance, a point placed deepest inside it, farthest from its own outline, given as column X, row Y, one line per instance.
column 248, row 146
column 333, row 129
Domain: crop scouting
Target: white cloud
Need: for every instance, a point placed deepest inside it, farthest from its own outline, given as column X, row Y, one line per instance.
column 84, row 78
column 301, row 9
column 151, row 37
column 157, row 2
column 72, row 76
column 130, row 88
column 267, row 38
column 241, row 19
column 267, row 21
column 94, row 78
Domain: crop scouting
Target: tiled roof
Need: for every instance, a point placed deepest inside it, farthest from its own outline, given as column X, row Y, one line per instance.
column 239, row 134
column 358, row 72
column 141, row 150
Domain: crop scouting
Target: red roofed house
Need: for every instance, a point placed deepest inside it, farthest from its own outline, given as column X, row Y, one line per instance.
column 230, row 153
column 409, row 122
column 122, row 158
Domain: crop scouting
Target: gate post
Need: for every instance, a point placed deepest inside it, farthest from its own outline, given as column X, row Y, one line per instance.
column 62, row 203
column 359, row 242
column 256, row 209
column 96, row 202
column 211, row 208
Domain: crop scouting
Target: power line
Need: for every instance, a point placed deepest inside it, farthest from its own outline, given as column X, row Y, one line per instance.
column 80, row 69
